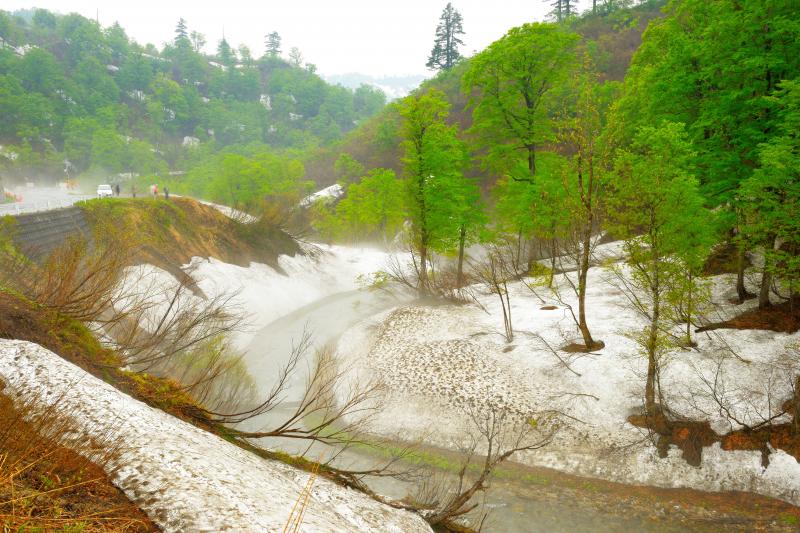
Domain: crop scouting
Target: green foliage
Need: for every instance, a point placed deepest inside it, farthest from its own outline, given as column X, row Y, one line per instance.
column 712, row 65
column 71, row 89
column 771, row 196
column 347, row 169
column 511, row 84
column 433, row 164
column 372, row 207
column 656, row 205
column 245, row 179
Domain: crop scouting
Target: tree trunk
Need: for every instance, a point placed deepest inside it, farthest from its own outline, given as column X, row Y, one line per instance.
column 763, row 294
column 741, row 291
column 462, row 237
column 532, row 160
column 650, row 387
column 423, row 271
column 583, row 273
column 796, row 410
column 650, row 406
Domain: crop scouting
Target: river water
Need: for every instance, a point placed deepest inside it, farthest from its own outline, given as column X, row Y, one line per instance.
column 521, row 498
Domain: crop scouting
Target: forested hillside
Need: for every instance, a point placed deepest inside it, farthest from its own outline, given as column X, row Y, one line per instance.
column 77, row 95
column 610, row 37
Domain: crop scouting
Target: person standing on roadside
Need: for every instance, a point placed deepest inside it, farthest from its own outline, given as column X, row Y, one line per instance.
column 166, row 192
column 116, row 189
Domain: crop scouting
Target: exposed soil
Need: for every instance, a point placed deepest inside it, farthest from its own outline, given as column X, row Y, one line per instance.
column 170, row 232
column 692, row 436
column 783, row 317
column 24, row 320
column 47, row 487
column 724, row 259
column 636, row 507
column 577, row 347
column 662, row 509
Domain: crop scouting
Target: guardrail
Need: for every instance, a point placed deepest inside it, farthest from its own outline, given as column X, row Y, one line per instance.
column 19, row 208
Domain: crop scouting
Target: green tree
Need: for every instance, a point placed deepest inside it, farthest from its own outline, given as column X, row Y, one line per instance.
column 771, row 199
column 273, row 44
column 347, row 169
column 295, row 56
column 181, row 33
column 198, row 41
column 656, row 207
column 445, row 54
column 44, row 19
column 373, row 207
column 563, row 9
column 433, row 161
column 225, row 53
column 509, row 84
column 712, row 65
column 580, row 133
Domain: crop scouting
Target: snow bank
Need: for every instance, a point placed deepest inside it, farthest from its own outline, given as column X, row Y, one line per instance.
column 263, row 293
column 184, row 478
column 327, row 194
column 437, row 361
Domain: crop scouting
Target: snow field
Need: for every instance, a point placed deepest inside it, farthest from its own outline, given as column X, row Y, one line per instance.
column 437, row 361
column 187, row 479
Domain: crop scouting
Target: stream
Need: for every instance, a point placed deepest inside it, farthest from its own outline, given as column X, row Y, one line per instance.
column 521, row 498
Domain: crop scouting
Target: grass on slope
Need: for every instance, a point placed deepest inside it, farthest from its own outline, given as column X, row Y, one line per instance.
column 45, row 486
column 168, row 233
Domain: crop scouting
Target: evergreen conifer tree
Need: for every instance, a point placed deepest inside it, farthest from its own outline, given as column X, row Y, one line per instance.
column 445, row 52
column 563, row 9
column 273, row 44
column 181, row 34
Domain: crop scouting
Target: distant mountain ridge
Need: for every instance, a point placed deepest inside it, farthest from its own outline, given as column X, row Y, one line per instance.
column 393, row 86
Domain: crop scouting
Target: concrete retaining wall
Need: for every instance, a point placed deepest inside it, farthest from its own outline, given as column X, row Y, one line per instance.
column 38, row 234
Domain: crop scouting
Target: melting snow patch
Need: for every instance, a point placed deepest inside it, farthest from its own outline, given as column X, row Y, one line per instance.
column 438, row 361
column 184, row 478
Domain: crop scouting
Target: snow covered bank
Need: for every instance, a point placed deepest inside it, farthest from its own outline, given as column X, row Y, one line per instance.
column 328, row 194
column 263, row 293
column 184, row 478
column 436, row 361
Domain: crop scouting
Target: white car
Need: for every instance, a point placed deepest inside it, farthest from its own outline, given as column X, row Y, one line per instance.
column 104, row 191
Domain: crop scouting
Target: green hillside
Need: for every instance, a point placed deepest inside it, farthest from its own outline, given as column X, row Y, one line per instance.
column 71, row 90
column 610, row 38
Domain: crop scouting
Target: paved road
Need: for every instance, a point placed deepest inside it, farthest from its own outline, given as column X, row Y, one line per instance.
column 41, row 199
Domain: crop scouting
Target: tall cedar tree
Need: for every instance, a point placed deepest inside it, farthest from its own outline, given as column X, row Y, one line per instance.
column 445, row 52
column 273, row 44
column 181, row 34
column 225, row 53
column 563, row 9
column 509, row 84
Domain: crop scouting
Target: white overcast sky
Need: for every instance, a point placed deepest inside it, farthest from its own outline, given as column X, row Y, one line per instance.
column 374, row 37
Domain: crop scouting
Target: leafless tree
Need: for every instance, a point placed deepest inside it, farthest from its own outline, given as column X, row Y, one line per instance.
column 493, row 272
column 495, row 435
column 340, row 408
column 75, row 280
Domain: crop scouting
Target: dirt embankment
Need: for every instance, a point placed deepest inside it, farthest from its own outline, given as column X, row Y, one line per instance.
column 168, row 233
